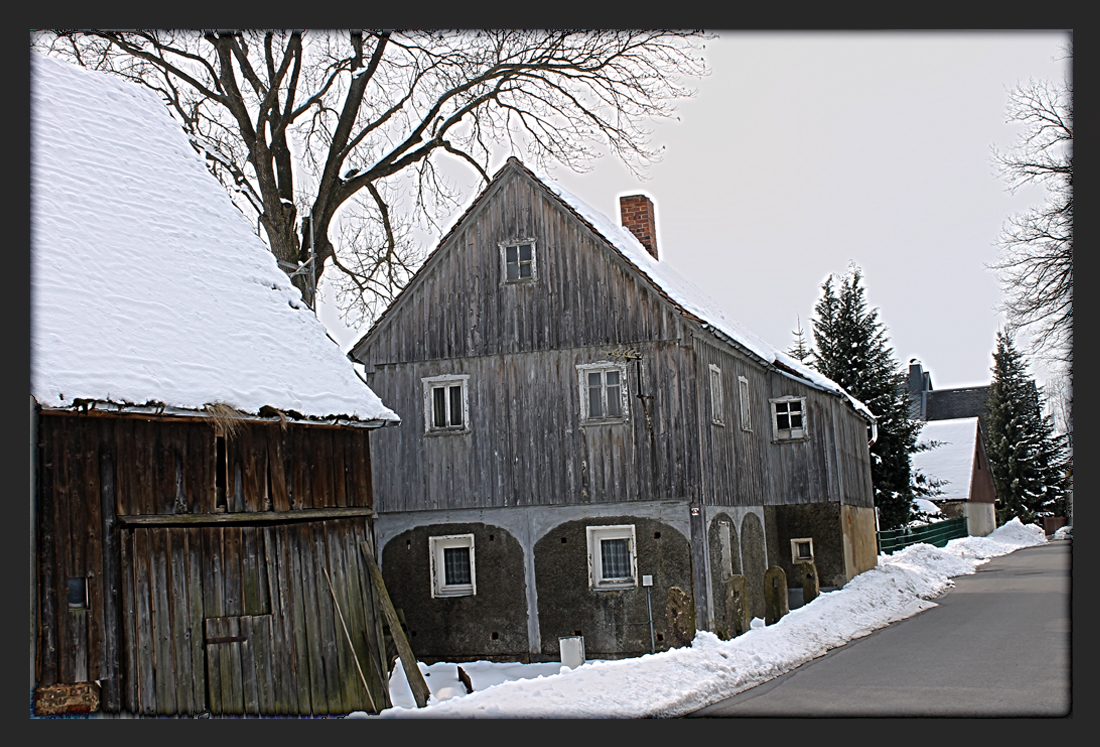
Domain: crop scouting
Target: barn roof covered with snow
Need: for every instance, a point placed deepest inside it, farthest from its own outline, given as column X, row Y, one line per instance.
column 147, row 285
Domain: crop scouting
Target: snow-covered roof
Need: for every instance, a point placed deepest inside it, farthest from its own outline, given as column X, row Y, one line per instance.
column 147, row 284
column 953, row 460
column 693, row 300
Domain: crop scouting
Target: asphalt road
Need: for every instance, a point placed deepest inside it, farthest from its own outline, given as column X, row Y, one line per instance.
column 998, row 645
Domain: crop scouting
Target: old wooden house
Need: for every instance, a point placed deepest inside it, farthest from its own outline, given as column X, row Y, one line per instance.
column 201, row 468
column 587, row 438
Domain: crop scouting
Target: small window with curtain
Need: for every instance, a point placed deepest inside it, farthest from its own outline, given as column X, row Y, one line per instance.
column 518, row 260
column 603, row 392
column 446, row 404
column 452, row 565
column 612, row 557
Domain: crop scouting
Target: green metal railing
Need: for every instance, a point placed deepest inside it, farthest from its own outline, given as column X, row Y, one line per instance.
column 937, row 534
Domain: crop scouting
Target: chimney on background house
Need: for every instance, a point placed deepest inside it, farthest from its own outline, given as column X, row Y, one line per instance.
column 638, row 216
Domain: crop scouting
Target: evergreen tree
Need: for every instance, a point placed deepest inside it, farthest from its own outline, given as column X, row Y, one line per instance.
column 1027, row 459
column 800, row 350
column 853, row 351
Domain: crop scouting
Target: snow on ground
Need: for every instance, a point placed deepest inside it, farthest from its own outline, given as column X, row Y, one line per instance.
column 677, row 682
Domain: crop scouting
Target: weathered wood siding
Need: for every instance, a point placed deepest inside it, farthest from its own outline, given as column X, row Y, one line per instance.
column 526, row 443
column 747, row 468
column 157, row 593
column 457, row 307
column 520, row 343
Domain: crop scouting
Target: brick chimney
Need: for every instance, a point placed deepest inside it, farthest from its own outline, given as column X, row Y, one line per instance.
column 638, row 216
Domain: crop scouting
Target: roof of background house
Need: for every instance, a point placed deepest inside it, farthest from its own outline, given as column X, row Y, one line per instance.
column 954, row 459
column 147, row 284
column 682, row 293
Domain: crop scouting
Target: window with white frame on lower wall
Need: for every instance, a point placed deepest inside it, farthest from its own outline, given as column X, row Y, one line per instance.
column 603, row 392
column 743, row 401
column 788, row 418
column 612, row 557
column 452, row 565
column 802, row 549
column 446, row 404
column 716, row 395
column 517, row 258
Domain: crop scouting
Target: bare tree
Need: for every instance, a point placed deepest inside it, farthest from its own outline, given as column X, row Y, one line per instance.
column 333, row 139
column 1036, row 262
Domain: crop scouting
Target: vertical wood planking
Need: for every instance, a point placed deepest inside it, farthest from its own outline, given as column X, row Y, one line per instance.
column 143, row 627
column 280, row 499
column 192, row 538
column 163, row 654
column 48, row 572
column 111, row 579
column 179, row 619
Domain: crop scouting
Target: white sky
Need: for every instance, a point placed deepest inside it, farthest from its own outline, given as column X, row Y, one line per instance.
column 677, row 682
column 806, row 150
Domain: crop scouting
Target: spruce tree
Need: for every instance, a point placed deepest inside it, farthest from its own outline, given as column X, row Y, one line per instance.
column 853, row 350
column 799, row 349
column 1027, row 459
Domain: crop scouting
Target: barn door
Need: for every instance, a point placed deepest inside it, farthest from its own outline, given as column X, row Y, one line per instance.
column 238, row 664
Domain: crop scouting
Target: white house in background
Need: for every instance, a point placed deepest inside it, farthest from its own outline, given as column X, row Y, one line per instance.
column 960, row 460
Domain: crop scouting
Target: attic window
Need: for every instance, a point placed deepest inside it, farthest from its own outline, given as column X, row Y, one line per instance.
column 517, row 259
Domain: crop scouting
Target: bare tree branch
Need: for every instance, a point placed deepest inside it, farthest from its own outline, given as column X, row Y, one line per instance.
column 349, row 127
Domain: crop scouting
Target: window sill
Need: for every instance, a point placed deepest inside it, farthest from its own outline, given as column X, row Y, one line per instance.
column 448, row 432
column 619, row 586
column 450, row 594
column 603, row 421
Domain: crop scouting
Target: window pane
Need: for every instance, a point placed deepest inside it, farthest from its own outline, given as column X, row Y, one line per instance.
column 439, row 407
column 456, row 565
column 525, row 270
column 510, row 254
column 595, row 395
column 513, row 271
column 456, row 405
column 796, row 420
column 615, row 558
column 525, row 252
column 614, row 399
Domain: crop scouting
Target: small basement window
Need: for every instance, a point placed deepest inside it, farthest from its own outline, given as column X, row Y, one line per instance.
column 802, row 549
column 612, row 557
column 452, row 565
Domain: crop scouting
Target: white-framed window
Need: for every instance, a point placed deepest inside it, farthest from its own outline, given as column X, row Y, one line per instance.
column 603, row 392
column 716, row 395
column 612, row 557
column 446, row 404
column 452, row 562
column 743, row 401
column 802, row 549
column 788, row 418
column 517, row 261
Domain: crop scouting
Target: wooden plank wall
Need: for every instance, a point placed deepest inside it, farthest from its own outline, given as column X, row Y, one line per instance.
column 527, row 444
column 746, row 468
column 151, row 588
column 583, row 295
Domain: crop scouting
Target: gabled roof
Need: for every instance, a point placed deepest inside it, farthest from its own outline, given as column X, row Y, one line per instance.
column 953, row 460
column 147, row 284
column 681, row 293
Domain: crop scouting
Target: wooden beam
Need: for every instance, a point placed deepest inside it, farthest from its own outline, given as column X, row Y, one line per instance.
column 408, row 662
column 248, row 517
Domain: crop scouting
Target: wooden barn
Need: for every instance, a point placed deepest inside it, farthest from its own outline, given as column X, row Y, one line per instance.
column 591, row 447
column 201, row 450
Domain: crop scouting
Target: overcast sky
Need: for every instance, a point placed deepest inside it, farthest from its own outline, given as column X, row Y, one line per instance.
column 803, row 151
